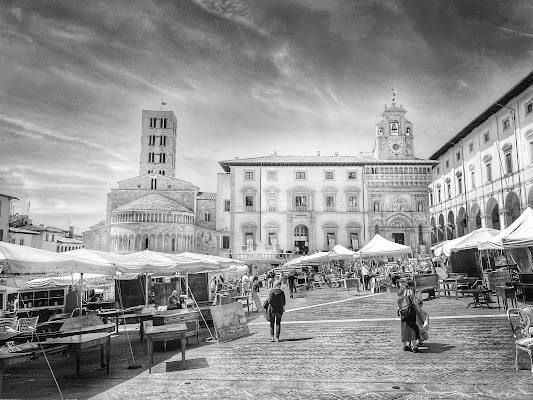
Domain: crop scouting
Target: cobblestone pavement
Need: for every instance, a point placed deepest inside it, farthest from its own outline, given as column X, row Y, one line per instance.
column 335, row 345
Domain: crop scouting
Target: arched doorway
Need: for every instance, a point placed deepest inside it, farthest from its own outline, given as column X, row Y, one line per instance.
column 450, row 226
column 440, row 228
column 493, row 211
column 433, row 231
column 475, row 223
column 301, row 239
column 462, row 222
column 512, row 208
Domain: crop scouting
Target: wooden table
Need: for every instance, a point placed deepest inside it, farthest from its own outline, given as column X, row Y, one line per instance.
column 85, row 341
column 481, row 297
column 165, row 332
column 7, row 359
column 187, row 316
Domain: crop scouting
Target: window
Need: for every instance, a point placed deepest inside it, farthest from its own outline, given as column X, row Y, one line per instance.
column 330, row 203
column 506, row 124
column 152, row 122
column 272, row 175
column 207, row 216
column 271, row 201
column 352, row 175
column 249, row 202
column 489, row 172
column 447, row 164
column 300, row 175
column 248, row 175
column 431, row 198
column 449, row 187
column 473, row 178
column 13, row 240
column 528, row 107
column 162, row 158
column 486, row 137
column 225, row 242
column 300, row 203
column 470, row 147
column 531, row 152
column 438, row 195
column 460, row 184
column 352, row 203
column 272, row 239
column 329, row 175
column 162, row 140
column 153, row 183
column 509, row 162
column 227, row 205
column 438, row 170
column 1, row 234
column 458, row 156
column 52, row 238
column 21, row 242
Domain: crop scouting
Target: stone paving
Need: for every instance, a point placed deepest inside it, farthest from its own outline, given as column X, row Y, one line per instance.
column 335, row 345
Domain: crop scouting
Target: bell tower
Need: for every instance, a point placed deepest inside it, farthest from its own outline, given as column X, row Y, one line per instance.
column 394, row 134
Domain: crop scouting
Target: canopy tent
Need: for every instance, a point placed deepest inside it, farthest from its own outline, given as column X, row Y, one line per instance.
column 438, row 245
column 183, row 264
column 468, row 241
column 518, row 234
column 224, row 261
column 340, row 252
column 28, row 260
column 74, row 279
column 316, row 257
column 128, row 263
column 381, row 246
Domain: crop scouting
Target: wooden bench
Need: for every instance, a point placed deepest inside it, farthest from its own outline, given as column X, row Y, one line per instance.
column 427, row 283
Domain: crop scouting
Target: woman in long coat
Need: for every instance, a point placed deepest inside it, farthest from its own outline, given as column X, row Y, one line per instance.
column 408, row 326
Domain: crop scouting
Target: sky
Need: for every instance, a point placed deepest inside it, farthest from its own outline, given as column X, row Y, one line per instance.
column 244, row 78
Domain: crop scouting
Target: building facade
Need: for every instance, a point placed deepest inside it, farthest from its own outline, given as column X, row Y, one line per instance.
column 484, row 174
column 5, row 215
column 155, row 210
column 274, row 205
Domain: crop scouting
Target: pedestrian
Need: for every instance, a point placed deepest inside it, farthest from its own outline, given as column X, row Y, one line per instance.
column 174, row 301
column 366, row 278
column 245, row 283
column 255, row 283
column 291, row 279
column 283, row 279
column 408, row 309
column 276, row 301
column 422, row 321
column 271, row 277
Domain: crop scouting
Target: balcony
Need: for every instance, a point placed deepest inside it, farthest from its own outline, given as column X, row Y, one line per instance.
column 249, row 208
column 300, row 208
column 352, row 209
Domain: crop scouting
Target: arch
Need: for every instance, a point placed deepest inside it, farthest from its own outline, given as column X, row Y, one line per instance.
column 433, row 230
column 462, row 222
column 399, row 221
column 440, row 229
column 492, row 210
column 512, row 208
column 330, row 189
column 450, row 226
column 530, row 197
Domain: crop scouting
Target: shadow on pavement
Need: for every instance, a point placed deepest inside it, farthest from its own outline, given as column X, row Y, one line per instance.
column 436, row 348
column 295, row 339
column 193, row 363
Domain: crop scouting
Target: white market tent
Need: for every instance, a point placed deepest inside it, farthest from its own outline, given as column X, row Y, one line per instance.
column 468, row 241
column 518, row 234
column 224, row 261
column 18, row 259
column 381, row 246
column 183, row 264
column 67, row 280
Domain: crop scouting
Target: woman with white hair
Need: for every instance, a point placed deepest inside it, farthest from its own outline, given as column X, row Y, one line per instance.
column 276, row 308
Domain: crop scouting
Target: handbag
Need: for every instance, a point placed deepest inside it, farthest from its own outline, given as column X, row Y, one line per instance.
column 405, row 308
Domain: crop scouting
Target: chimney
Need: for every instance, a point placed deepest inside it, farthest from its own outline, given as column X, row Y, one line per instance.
column 318, row 153
column 70, row 231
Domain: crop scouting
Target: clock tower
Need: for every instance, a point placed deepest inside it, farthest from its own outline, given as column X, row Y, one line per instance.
column 394, row 134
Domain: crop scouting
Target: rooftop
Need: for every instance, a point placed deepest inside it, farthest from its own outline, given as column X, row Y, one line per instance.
column 152, row 202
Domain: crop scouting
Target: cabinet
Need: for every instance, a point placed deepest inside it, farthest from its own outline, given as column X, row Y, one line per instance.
column 41, row 299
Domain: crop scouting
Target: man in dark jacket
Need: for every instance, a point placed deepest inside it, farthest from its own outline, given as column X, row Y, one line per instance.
column 291, row 279
column 276, row 300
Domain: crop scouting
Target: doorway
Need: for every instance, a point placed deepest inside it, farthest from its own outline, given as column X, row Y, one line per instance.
column 398, row 238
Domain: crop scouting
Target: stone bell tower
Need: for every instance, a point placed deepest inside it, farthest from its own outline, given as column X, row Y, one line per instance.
column 394, row 134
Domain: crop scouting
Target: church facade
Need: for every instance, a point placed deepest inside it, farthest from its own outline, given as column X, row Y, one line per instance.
column 155, row 210
column 268, row 207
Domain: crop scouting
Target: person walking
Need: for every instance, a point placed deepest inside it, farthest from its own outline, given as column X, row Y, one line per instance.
column 276, row 301
column 366, row 278
column 291, row 279
column 283, row 280
column 245, row 284
column 408, row 309
column 271, row 277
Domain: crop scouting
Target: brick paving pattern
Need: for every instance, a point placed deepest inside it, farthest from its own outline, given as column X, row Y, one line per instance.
column 335, row 345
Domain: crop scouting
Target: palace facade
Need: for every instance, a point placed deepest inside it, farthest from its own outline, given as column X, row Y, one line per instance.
column 155, row 210
column 484, row 174
column 271, row 207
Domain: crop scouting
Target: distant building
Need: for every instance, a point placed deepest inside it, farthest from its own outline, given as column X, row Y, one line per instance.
column 155, row 210
column 24, row 233
column 269, row 208
column 5, row 215
column 484, row 174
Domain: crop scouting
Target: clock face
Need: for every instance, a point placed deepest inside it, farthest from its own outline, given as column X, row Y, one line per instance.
column 395, row 146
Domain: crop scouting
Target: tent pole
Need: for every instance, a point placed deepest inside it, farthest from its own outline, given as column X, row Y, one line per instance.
column 81, row 294
column 146, row 290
